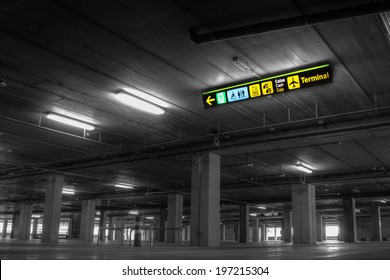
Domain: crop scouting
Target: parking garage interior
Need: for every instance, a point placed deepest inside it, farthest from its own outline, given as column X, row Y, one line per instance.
column 194, row 129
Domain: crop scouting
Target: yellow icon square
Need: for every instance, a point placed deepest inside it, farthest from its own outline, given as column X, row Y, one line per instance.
column 254, row 90
column 293, row 82
column 267, row 88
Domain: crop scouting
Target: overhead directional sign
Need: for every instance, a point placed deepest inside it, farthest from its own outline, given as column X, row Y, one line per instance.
column 303, row 78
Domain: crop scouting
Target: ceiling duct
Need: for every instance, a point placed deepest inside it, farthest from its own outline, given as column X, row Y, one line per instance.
column 306, row 20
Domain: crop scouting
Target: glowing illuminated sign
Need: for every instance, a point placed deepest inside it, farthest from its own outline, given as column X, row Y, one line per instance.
column 304, row 78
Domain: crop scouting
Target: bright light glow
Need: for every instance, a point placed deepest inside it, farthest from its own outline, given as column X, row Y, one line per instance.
column 68, row 191
column 139, row 103
column 141, row 94
column 306, row 165
column 304, row 169
column 149, row 218
column 134, row 212
column 70, row 121
column 253, row 215
column 124, row 186
column 262, row 207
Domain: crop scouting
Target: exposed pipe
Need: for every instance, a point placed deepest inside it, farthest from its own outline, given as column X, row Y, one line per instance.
column 306, row 20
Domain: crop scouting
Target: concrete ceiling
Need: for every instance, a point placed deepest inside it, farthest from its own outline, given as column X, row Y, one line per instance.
column 70, row 57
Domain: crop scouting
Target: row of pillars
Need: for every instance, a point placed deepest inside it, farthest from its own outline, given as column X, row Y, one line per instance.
column 205, row 211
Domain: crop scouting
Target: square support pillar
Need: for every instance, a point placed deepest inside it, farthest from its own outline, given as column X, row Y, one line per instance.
column 162, row 220
column 255, row 229
column 15, row 221
column 244, row 223
column 320, row 230
column 223, row 232
column 237, row 231
column 376, row 228
column 25, row 222
column 304, row 214
column 87, row 220
column 287, row 226
column 74, row 230
column 35, row 227
column 205, row 199
column 263, row 235
column 103, row 223
column 52, row 208
column 349, row 221
column 4, row 231
column 174, row 217
column 110, row 232
column 118, row 224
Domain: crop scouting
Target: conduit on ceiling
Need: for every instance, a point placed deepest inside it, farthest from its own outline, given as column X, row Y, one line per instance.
column 306, row 20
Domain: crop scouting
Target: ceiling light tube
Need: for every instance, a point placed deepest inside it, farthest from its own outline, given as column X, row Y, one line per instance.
column 240, row 64
column 134, row 212
column 303, row 168
column 124, row 186
column 70, row 121
column 143, row 95
column 138, row 103
column 68, row 191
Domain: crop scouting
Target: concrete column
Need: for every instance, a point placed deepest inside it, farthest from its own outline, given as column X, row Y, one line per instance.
column 319, row 230
column 304, row 214
column 187, row 233
column 341, row 230
column 163, row 217
column 349, row 222
column 75, row 221
column 35, row 227
column 287, row 226
column 376, row 223
column 15, row 221
column 244, row 223
column 117, row 224
column 87, row 219
column 174, row 217
column 110, row 232
column 223, row 232
column 25, row 222
column 205, row 199
column 5, row 225
column 52, row 208
column 323, row 231
column 137, row 231
column 237, row 231
column 255, row 229
column 263, row 234
column 103, row 223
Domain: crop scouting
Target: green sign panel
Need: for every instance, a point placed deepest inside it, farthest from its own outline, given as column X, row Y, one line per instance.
column 304, row 78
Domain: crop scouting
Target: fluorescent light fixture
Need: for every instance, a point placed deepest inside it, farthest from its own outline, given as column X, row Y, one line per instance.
column 304, row 169
column 253, row 215
column 149, row 218
column 134, row 212
column 307, row 168
column 68, row 190
column 242, row 65
column 124, row 186
column 70, row 121
column 262, row 207
column 138, row 103
column 143, row 95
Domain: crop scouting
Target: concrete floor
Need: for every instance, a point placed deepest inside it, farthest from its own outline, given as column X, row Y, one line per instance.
column 78, row 250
